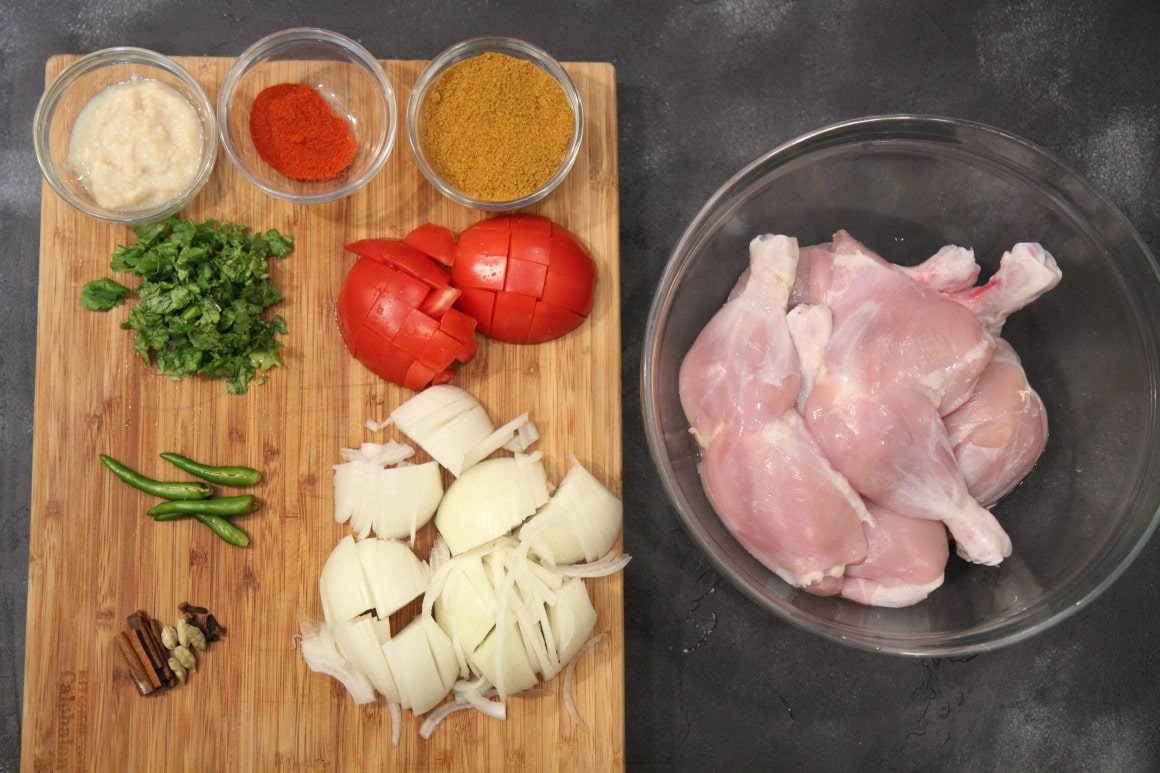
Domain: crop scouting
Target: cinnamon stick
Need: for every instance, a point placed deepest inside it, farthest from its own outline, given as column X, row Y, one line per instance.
column 145, row 671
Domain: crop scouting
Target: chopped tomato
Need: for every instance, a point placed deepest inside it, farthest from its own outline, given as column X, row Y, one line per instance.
column 404, row 257
column 524, row 278
column 398, row 325
column 435, row 241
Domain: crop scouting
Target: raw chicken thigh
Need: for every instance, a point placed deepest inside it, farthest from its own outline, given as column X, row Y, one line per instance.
column 906, row 561
column 763, row 473
column 851, row 412
column 1000, row 431
column 899, row 352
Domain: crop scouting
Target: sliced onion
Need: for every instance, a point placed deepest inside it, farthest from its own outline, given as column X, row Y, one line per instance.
column 322, row 656
column 382, row 454
column 446, row 421
column 343, row 585
column 610, row 563
column 465, row 605
column 490, row 499
column 501, row 438
column 569, row 701
column 406, row 499
column 413, row 665
column 360, row 642
column 394, row 574
column 432, row 720
column 527, row 434
column 509, row 669
column 572, row 619
column 579, row 523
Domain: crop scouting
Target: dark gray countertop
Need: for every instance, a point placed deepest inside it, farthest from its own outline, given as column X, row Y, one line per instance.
column 704, row 87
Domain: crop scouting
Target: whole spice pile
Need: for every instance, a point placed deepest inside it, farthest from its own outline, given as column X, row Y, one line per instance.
column 296, row 132
column 497, row 127
column 160, row 657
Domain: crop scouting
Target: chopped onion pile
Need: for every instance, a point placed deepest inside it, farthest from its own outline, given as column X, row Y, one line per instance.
column 504, row 603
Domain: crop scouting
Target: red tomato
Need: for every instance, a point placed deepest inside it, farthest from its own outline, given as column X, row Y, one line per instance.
column 399, row 326
column 402, row 256
column 524, row 278
column 433, row 240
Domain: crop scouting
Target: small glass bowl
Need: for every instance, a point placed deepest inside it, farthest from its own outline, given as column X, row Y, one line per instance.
column 344, row 73
column 82, row 80
column 467, row 49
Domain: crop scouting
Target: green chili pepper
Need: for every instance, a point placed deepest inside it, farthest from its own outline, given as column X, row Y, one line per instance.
column 223, row 476
column 164, row 489
column 223, row 506
column 224, row 529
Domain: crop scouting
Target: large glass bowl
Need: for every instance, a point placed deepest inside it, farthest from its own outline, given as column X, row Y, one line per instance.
column 905, row 186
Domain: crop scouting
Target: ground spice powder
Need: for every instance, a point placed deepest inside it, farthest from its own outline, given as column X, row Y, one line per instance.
column 496, row 127
column 295, row 131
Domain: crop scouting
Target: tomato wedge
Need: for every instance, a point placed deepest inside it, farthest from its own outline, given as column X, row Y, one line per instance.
column 435, row 241
column 396, row 323
column 402, row 256
column 524, row 278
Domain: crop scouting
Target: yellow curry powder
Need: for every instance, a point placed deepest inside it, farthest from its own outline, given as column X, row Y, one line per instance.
column 496, row 127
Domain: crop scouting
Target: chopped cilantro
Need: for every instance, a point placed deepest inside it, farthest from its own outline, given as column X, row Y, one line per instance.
column 200, row 304
column 103, row 294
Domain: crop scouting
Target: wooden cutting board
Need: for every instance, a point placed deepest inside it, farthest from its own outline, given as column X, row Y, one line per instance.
column 95, row 557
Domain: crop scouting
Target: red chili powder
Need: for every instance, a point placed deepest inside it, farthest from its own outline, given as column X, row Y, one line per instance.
column 295, row 131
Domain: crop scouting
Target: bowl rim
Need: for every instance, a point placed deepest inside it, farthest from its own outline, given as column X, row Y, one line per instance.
column 475, row 46
column 1005, row 630
column 272, row 43
column 50, row 100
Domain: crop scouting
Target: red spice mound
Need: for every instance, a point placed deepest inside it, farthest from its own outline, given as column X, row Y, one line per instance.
column 295, row 131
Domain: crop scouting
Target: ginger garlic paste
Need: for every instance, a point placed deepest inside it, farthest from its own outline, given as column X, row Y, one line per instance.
column 136, row 145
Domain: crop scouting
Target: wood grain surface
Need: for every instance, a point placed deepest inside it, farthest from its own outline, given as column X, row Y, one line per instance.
column 95, row 557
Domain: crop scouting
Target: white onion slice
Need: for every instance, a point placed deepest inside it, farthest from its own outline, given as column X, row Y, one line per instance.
column 610, row 563
column 322, row 656
column 569, row 700
column 579, row 523
column 394, row 574
column 490, row 499
column 572, row 619
column 501, row 438
column 412, row 662
column 359, row 641
column 343, row 585
column 446, row 421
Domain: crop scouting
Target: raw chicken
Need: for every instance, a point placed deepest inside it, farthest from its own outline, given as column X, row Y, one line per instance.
column 1025, row 272
column 898, row 354
column 1001, row 430
column 842, row 440
column 907, row 560
column 763, row 473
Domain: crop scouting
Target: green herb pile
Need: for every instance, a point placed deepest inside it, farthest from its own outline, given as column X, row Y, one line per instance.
column 200, row 304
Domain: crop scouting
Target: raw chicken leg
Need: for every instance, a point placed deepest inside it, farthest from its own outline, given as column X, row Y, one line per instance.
column 898, row 353
column 1025, row 272
column 1000, row 431
column 763, row 472
column 950, row 269
column 907, row 560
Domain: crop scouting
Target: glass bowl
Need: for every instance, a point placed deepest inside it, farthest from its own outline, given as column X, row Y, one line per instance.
column 347, row 76
column 71, row 90
column 467, row 49
column 905, row 186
